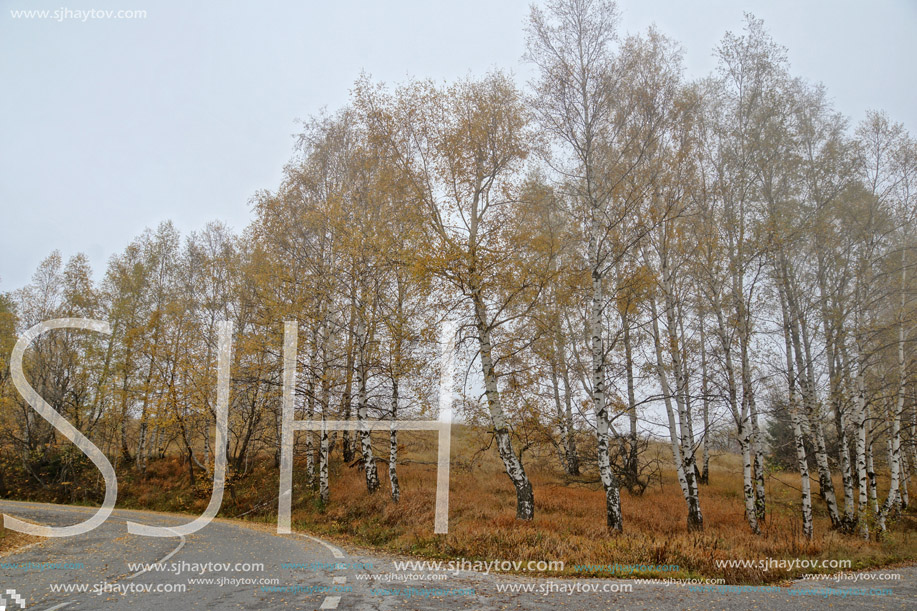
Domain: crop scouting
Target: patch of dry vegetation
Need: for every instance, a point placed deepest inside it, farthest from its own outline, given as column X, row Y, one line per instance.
column 569, row 523
column 10, row 541
column 569, row 514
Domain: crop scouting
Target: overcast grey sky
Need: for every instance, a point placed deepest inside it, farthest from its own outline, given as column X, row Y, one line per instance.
column 109, row 126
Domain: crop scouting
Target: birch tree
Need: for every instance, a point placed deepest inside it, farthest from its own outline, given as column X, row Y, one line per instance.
column 462, row 150
column 587, row 97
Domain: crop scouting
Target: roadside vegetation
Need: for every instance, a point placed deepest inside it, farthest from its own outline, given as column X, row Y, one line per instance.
column 482, row 523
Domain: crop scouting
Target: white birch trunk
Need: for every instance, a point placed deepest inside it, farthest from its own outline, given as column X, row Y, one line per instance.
column 798, row 438
column 860, row 442
column 705, row 401
column 905, row 481
column 679, row 436
column 571, row 457
column 892, row 503
column 525, row 499
column 393, row 447
column 366, row 446
column 613, row 516
column 310, row 451
column 741, row 420
column 873, row 480
column 809, row 401
column 323, row 488
column 747, row 483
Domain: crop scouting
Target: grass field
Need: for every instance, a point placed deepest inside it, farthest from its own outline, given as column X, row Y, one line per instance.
column 569, row 520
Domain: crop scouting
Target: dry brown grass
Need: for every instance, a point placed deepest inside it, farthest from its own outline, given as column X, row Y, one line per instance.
column 569, row 521
column 10, row 541
column 569, row 514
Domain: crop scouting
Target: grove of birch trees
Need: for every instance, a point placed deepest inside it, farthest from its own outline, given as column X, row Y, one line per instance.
column 630, row 255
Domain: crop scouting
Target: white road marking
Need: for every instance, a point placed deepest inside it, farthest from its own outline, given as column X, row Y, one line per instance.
column 330, row 602
column 334, row 551
column 60, row 606
column 181, row 544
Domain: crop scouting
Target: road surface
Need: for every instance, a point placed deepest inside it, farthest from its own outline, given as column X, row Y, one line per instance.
column 233, row 565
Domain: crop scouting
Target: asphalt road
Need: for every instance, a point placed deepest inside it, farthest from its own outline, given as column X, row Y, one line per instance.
column 112, row 569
